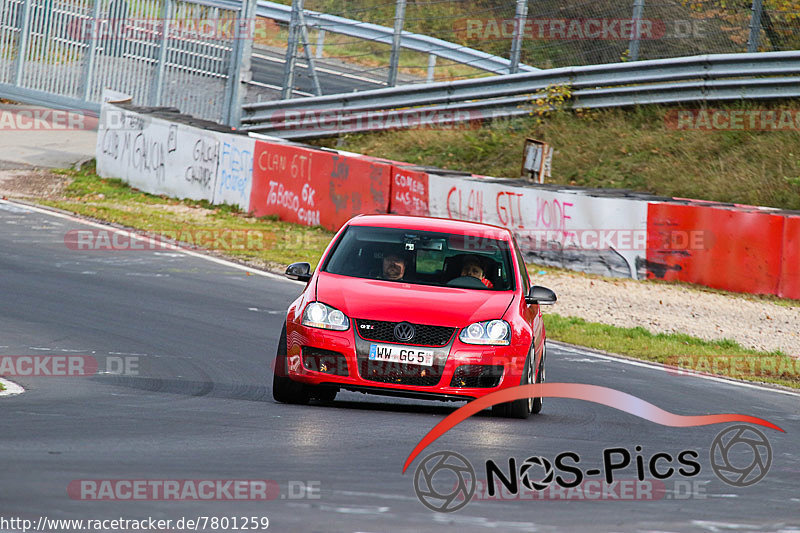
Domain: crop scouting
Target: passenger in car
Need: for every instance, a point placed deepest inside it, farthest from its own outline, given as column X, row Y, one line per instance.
column 473, row 267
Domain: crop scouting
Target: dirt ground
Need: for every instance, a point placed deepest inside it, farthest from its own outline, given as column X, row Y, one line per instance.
column 32, row 183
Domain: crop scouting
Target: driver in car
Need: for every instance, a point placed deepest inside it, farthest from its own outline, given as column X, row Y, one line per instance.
column 473, row 267
column 394, row 267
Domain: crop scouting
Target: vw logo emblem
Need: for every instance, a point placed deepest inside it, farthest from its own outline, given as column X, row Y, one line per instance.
column 404, row 332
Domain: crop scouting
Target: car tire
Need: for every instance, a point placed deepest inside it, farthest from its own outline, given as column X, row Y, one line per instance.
column 520, row 409
column 540, row 378
column 284, row 389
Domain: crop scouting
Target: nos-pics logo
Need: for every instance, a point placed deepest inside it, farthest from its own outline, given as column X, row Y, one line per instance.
column 445, row 481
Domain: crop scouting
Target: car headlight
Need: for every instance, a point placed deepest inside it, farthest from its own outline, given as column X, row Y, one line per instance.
column 319, row 315
column 496, row 332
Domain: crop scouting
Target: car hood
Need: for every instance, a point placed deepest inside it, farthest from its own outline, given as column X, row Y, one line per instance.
column 420, row 304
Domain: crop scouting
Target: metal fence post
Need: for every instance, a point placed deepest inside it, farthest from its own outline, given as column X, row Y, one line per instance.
column 633, row 47
column 399, row 22
column 516, row 43
column 320, row 43
column 431, row 67
column 755, row 26
column 89, row 71
column 23, row 42
column 312, row 68
column 155, row 95
column 239, row 71
column 291, row 50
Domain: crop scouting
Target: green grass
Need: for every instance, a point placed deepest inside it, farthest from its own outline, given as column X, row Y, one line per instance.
column 113, row 201
column 278, row 243
column 684, row 351
column 630, row 149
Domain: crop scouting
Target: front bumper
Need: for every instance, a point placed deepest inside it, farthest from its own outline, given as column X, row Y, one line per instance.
column 459, row 371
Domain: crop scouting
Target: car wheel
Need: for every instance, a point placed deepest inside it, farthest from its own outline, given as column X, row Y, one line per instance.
column 518, row 408
column 285, row 390
column 536, row 407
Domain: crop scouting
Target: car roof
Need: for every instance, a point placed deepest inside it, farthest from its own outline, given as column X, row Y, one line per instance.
column 420, row 223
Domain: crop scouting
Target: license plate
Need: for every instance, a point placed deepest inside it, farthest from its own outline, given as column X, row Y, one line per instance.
column 400, row 354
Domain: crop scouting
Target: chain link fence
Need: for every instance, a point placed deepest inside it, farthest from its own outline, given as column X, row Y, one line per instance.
column 551, row 33
column 67, row 52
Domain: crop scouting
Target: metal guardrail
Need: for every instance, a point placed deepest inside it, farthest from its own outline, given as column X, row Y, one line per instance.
column 698, row 78
column 382, row 34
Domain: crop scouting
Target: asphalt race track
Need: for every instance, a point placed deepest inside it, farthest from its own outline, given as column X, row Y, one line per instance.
column 198, row 406
column 335, row 77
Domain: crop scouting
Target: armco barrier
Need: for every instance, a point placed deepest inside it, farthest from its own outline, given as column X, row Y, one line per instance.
column 316, row 187
column 152, row 150
column 730, row 248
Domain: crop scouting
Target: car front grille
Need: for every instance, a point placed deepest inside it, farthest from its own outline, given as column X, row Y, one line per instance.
column 376, row 330
column 400, row 374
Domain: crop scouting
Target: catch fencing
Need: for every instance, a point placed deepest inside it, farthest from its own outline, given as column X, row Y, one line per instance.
column 461, row 39
column 65, row 53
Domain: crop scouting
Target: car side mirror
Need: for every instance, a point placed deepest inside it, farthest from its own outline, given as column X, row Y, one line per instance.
column 299, row 271
column 541, row 295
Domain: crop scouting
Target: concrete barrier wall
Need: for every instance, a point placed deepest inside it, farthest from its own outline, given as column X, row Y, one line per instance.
column 316, row 187
column 163, row 156
column 572, row 230
column 736, row 248
column 613, row 233
column 789, row 285
column 235, row 170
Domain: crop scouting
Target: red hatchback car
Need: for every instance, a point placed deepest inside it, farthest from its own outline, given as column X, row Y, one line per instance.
column 418, row 307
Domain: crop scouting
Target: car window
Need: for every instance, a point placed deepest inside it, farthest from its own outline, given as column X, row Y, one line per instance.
column 423, row 257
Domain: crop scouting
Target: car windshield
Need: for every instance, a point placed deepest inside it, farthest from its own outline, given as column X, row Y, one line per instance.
column 423, row 257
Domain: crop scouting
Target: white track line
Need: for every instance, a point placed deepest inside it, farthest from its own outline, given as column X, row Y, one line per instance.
column 666, row 368
column 143, row 238
column 10, row 388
